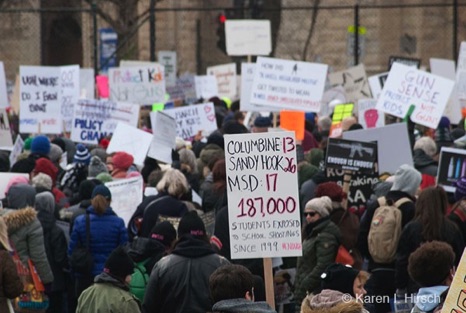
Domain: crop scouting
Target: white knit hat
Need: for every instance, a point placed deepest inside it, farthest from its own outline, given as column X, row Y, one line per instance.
column 322, row 205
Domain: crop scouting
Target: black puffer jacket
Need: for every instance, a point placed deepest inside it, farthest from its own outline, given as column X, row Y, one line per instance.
column 179, row 282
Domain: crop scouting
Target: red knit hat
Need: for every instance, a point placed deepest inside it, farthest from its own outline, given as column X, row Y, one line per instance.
column 331, row 190
column 46, row 166
column 122, row 160
column 104, row 142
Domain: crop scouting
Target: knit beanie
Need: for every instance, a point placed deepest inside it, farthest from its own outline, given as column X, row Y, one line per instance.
column 96, row 167
column 16, row 180
column 407, row 179
column 164, row 232
column 460, row 191
column 27, row 144
column 119, row 264
column 55, row 153
column 86, row 187
column 101, row 153
column 122, row 160
column 306, row 172
column 104, row 177
column 103, row 191
column 322, row 205
column 42, row 180
column 262, row 122
column 331, row 190
column 191, row 224
column 315, row 156
column 46, row 166
column 40, row 145
column 339, row 277
column 82, row 154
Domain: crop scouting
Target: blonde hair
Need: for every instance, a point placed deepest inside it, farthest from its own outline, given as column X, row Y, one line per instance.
column 174, row 183
column 363, row 277
column 100, row 204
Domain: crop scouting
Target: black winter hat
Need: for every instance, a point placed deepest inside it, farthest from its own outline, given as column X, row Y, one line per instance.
column 86, row 187
column 339, row 277
column 119, row 264
column 191, row 224
column 164, row 232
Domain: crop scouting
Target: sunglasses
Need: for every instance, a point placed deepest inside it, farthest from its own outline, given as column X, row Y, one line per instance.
column 311, row 214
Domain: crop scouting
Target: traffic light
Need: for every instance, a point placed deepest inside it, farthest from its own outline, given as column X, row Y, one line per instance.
column 221, row 42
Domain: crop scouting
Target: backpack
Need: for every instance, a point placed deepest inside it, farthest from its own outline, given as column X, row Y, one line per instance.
column 385, row 230
column 139, row 280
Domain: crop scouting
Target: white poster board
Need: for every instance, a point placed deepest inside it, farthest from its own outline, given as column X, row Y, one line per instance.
column 3, row 92
column 94, row 119
column 461, row 72
column 6, row 142
column 289, row 85
column 193, row 118
column 368, row 115
column 143, row 85
column 226, row 79
column 168, row 60
column 248, row 71
column 186, row 83
column 70, row 84
column 263, row 203
column 17, row 150
column 206, row 86
column 5, row 178
column 394, row 148
column 164, row 137
column 40, row 104
column 126, row 196
column 354, row 81
column 87, row 83
column 131, row 140
column 376, row 84
column 248, row 37
column 406, row 86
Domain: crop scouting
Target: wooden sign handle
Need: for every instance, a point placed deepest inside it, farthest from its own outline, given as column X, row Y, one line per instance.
column 346, row 187
column 268, row 280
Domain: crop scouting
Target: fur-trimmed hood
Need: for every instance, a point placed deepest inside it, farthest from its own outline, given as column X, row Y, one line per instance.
column 15, row 219
column 331, row 301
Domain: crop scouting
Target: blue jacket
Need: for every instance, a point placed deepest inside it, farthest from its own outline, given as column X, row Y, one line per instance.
column 107, row 232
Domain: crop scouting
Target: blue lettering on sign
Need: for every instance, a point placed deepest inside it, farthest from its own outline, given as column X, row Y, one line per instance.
column 28, row 121
column 90, row 135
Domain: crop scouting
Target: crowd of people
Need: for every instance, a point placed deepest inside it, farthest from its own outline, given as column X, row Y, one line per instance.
column 56, row 214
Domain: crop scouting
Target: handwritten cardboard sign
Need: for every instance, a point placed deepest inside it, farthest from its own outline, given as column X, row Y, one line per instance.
column 408, row 86
column 206, row 86
column 17, row 150
column 70, row 84
column 368, row 115
column 193, row 118
column 461, row 72
column 40, row 103
column 290, row 85
column 263, row 203
column 186, row 88
column 94, row 119
column 355, row 156
column 354, row 81
column 3, row 93
column 248, row 71
column 168, row 60
column 248, row 37
column 6, row 142
column 126, row 196
column 164, row 137
column 226, row 79
column 137, row 84
column 452, row 166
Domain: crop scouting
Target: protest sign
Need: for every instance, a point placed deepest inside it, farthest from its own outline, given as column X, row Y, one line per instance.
column 137, row 63
column 5, row 134
column 69, row 83
column 248, row 37
column 164, row 137
column 5, row 178
column 193, row 118
column 446, row 69
column 452, row 166
column 247, row 77
column 40, row 103
column 226, row 79
column 209, row 221
column 102, row 86
column 354, row 81
column 461, row 72
column 3, row 93
column 406, row 86
column 95, row 119
column 137, row 84
column 187, row 86
column 290, row 85
column 126, row 196
column 293, row 120
column 17, row 150
column 394, row 148
column 376, row 84
column 331, row 97
column 86, row 83
column 455, row 301
column 206, row 86
column 168, row 60
column 348, row 155
column 262, row 186
column 368, row 115
column 340, row 112
column 131, row 140
column 412, row 62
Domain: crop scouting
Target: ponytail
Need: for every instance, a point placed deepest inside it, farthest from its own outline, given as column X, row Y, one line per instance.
column 100, row 204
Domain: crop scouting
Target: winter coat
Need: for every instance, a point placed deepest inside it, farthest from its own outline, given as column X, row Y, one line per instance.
column 142, row 249
column 107, row 295
column 241, row 306
column 179, row 282
column 331, row 301
column 426, row 166
column 320, row 246
column 107, row 232
column 25, row 231
column 411, row 239
column 10, row 285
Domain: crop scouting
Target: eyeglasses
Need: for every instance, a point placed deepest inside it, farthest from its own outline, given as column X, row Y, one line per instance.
column 311, row 214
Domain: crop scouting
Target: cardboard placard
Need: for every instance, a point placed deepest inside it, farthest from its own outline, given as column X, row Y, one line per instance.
column 126, row 196
column 6, row 142
column 330, row 98
column 94, row 119
column 293, row 120
column 86, row 83
column 247, row 77
column 17, row 150
column 340, row 112
column 354, row 81
column 131, row 140
column 408, row 86
column 206, row 86
column 5, row 178
column 452, row 166
column 376, row 83
column 138, row 84
column 262, row 186
column 290, row 85
column 368, row 115
column 226, row 79
column 70, row 84
column 168, row 60
column 348, row 155
column 3, row 92
column 164, row 137
column 248, row 37
column 40, row 103
column 412, row 62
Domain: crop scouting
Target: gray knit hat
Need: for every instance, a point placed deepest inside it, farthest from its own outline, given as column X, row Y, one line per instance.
column 407, row 179
column 322, row 205
column 96, row 167
column 55, row 153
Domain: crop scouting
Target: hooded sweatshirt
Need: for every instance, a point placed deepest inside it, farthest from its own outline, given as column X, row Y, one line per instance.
column 241, row 305
column 428, row 298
